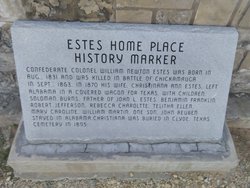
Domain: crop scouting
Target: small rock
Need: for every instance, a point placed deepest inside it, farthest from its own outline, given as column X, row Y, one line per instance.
column 200, row 178
column 175, row 176
column 218, row 182
column 167, row 185
column 54, row 3
column 8, row 178
column 176, row 181
column 112, row 181
column 92, row 183
column 59, row 185
column 131, row 174
column 88, row 6
column 41, row 9
column 184, row 180
column 10, row 183
column 206, row 179
column 232, row 185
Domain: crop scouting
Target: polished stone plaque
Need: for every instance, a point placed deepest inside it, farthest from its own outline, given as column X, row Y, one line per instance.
column 85, row 82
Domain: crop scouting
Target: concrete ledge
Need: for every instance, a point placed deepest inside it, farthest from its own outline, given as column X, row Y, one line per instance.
column 121, row 164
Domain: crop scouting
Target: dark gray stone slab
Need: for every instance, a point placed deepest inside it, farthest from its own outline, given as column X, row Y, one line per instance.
column 89, row 83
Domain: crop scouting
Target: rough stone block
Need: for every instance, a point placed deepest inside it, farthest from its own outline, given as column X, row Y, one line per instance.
column 5, row 38
column 6, row 138
column 166, row 148
column 8, row 81
column 45, row 149
column 247, row 47
column 9, row 102
column 134, row 16
column 7, row 63
column 238, row 112
column 8, row 120
column 245, row 21
column 188, row 147
column 246, row 62
column 238, row 59
column 140, row 148
column 239, row 12
column 211, row 148
column 41, row 9
column 244, row 107
column 6, row 52
column 239, row 123
column 70, row 148
column 173, row 16
column 162, row 4
column 107, row 148
column 11, row 10
column 214, row 12
column 84, row 10
column 244, row 37
column 92, row 6
column 232, row 109
column 54, row 3
column 10, row 107
column 240, row 82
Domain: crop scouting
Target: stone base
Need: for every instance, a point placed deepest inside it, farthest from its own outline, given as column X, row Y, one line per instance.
column 122, row 160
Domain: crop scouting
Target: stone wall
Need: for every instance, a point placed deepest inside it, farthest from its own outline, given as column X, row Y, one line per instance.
column 234, row 13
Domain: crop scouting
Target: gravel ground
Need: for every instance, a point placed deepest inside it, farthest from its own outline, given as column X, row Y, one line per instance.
column 237, row 178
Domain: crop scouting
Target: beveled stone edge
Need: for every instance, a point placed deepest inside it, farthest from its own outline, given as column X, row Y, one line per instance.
column 42, row 168
column 109, row 149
